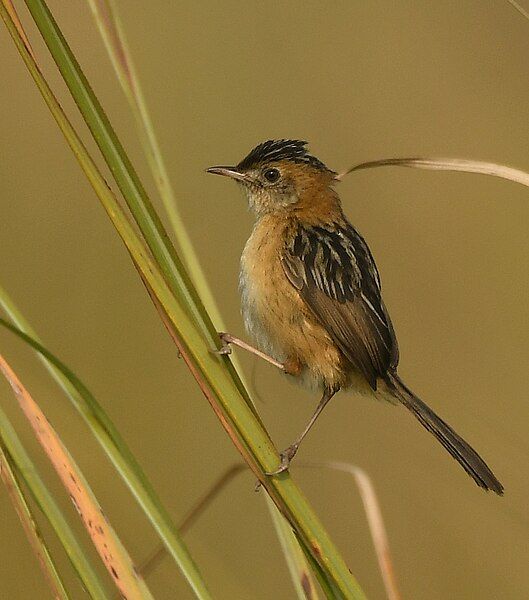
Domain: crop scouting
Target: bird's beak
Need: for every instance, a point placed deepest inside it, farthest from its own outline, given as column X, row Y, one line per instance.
column 230, row 172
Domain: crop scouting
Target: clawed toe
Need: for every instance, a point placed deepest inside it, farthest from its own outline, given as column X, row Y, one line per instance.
column 286, row 458
column 225, row 349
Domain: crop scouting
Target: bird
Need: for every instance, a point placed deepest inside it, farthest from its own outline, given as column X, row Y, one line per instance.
column 311, row 294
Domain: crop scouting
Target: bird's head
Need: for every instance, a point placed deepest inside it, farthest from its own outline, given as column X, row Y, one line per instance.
column 277, row 174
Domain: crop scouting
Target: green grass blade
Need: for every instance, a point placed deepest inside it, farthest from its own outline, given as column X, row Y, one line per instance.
column 215, row 379
column 29, row 524
column 51, row 510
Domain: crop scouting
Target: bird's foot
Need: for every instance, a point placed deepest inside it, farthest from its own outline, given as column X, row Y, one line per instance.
column 229, row 340
column 286, row 457
column 225, row 348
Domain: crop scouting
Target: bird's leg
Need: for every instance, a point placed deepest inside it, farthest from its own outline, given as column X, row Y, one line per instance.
column 288, row 454
column 228, row 339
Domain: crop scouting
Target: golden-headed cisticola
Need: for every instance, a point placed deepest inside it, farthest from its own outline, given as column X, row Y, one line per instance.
column 311, row 295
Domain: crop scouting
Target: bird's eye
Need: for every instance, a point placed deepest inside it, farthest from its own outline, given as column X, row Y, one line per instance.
column 271, row 175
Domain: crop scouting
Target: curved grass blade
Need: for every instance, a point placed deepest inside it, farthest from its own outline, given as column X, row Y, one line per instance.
column 29, row 524
column 213, row 374
column 447, row 164
column 50, row 509
column 112, row 552
column 374, row 520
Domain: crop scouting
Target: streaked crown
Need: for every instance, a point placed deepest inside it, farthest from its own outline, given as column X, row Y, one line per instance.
column 277, row 150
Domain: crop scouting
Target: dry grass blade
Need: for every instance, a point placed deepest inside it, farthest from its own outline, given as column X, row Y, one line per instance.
column 14, row 16
column 28, row 473
column 520, row 9
column 447, row 164
column 115, row 558
column 375, row 521
column 15, row 493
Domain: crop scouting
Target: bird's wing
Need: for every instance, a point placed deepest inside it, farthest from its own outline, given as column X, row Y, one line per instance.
column 336, row 276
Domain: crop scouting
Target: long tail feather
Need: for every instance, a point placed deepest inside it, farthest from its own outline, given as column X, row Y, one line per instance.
column 465, row 455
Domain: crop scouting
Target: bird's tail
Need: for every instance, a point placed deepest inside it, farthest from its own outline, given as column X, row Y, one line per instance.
column 465, row 455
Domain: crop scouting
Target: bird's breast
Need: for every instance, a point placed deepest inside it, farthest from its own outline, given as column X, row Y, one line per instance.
column 273, row 311
column 267, row 301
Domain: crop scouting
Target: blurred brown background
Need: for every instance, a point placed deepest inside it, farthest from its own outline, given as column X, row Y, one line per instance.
column 360, row 81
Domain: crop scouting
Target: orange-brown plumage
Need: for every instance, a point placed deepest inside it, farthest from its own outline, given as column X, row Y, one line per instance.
column 274, row 313
column 311, row 294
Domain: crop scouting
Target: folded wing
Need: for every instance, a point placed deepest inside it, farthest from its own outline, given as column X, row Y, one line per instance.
column 336, row 276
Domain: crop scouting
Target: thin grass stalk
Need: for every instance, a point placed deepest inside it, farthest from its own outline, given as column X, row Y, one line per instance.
column 110, row 27
column 154, row 559
column 29, row 524
column 44, row 499
column 519, row 8
column 375, row 521
column 10, row 7
column 112, row 552
column 217, row 383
